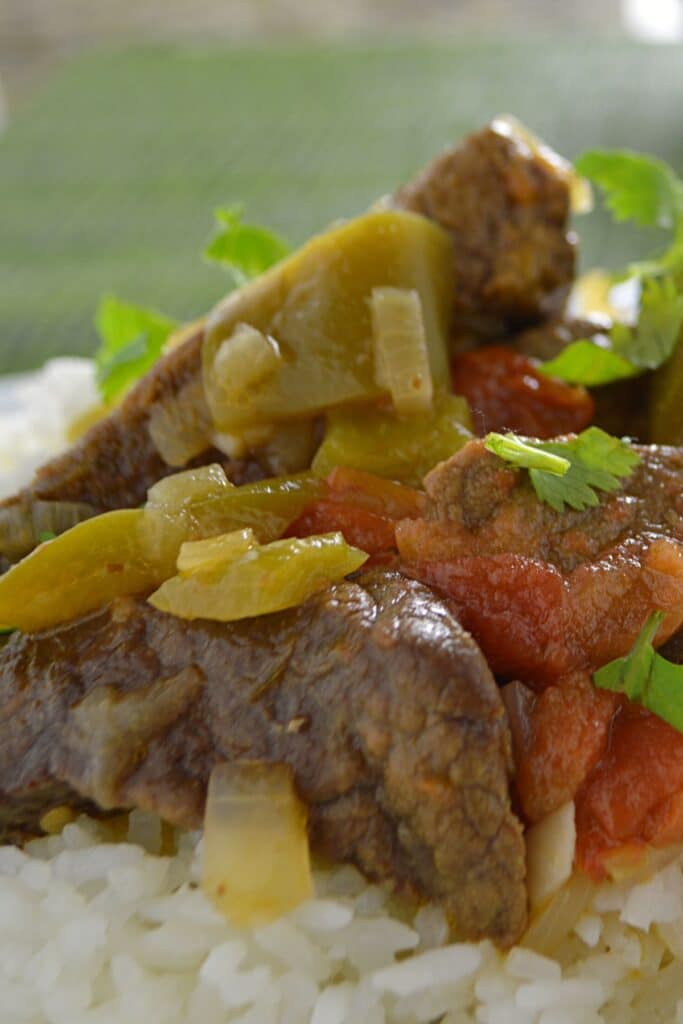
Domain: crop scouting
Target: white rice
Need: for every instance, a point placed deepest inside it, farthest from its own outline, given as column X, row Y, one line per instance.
column 35, row 412
column 100, row 932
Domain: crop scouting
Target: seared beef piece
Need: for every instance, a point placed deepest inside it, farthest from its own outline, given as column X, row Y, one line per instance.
column 117, row 461
column 507, row 209
column 491, row 507
column 382, row 705
column 546, row 340
column 545, row 593
column 620, row 408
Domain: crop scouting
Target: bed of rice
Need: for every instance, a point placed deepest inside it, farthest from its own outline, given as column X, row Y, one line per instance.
column 97, row 931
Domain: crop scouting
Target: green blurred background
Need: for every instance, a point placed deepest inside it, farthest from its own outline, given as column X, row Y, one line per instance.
column 119, row 144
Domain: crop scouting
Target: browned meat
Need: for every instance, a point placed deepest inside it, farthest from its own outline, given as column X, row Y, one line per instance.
column 546, row 340
column 117, row 460
column 546, row 593
column 507, row 209
column 492, row 508
column 382, row 705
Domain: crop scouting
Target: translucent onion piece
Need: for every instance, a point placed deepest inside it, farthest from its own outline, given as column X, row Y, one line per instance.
column 203, row 555
column 672, row 934
column 263, row 580
column 180, row 425
column 22, row 523
column 519, row 703
column 243, row 360
column 177, row 492
column 554, row 923
column 239, row 444
column 256, row 863
column 636, row 862
column 291, row 447
column 550, row 849
column 400, row 346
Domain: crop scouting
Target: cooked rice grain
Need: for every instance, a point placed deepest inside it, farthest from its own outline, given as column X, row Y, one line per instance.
column 96, row 931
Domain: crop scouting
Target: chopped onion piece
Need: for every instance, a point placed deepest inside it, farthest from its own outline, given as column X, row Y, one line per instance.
column 519, row 703
column 177, row 492
column 263, row 580
column 243, row 360
column 180, row 425
column 203, row 555
column 633, row 863
column 23, row 522
column 256, row 863
column 550, row 848
column 236, row 446
column 553, row 924
column 400, row 345
column 672, row 934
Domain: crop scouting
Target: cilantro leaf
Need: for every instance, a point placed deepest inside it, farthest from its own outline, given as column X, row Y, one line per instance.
column 45, row 535
column 626, row 351
column 527, row 454
column 246, row 250
column 646, row 677
column 132, row 339
column 645, row 190
column 596, row 461
column 588, row 363
column 637, row 187
column 659, row 323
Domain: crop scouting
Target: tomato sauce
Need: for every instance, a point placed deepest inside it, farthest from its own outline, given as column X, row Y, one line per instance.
column 512, row 605
column 506, row 391
column 364, row 508
column 634, row 795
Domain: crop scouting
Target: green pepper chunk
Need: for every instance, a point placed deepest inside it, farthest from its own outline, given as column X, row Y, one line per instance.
column 402, row 449
column 314, row 311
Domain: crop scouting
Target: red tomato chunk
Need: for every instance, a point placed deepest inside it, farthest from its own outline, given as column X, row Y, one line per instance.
column 506, row 391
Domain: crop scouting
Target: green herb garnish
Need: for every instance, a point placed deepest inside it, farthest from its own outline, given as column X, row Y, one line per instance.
column 246, row 250
column 569, row 472
column 132, row 341
column 45, row 535
column 646, row 677
column 626, row 351
column 649, row 192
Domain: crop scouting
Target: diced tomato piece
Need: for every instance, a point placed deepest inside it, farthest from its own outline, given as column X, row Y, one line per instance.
column 569, row 730
column 506, row 391
column 512, row 605
column 634, row 793
column 384, row 497
column 620, row 591
column 361, row 528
